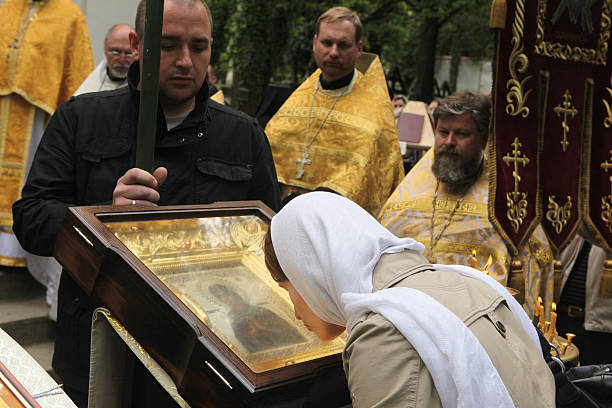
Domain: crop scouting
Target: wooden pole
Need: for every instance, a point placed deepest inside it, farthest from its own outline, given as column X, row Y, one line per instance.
column 149, row 85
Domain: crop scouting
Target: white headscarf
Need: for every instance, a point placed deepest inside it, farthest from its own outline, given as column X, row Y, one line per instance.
column 328, row 246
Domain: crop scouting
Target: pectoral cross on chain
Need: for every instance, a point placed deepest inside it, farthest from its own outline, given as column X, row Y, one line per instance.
column 302, row 161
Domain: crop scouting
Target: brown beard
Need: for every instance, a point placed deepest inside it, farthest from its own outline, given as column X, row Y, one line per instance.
column 449, row 167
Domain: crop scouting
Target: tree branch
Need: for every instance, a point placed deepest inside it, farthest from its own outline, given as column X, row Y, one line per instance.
column 380, row 12
column 450, row 15
column 414, row 6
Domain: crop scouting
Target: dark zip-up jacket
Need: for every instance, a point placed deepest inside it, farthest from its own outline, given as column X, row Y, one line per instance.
column 216, row 154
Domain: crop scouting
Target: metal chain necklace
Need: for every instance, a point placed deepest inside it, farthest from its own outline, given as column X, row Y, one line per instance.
column 433, row 241
column 303, row 160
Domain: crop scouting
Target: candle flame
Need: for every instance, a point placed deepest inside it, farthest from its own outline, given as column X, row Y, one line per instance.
column 489, row 262
column 539, row 300
column 473, row 252
column 554, row 307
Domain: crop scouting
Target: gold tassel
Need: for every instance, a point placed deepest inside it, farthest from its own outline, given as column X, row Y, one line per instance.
column 605, row 283
column 498, row 14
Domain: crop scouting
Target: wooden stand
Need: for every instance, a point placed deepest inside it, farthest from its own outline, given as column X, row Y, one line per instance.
column 137, row 260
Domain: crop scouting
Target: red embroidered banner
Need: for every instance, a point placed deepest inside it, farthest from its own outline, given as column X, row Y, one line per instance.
column 562, row 76
column 514, row 186
column 572, row 44
column 597, row 196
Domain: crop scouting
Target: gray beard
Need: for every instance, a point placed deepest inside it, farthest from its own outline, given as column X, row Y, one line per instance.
column 450, row 168
column 115, row 78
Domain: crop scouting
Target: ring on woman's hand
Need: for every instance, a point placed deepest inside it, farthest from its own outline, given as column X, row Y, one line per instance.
column 133, row 202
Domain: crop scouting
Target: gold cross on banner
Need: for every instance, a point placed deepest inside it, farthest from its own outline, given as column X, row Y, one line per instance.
column 565, row 109
column 605, row 166
column 516, row 160
column 606, row 201
column 302, row 161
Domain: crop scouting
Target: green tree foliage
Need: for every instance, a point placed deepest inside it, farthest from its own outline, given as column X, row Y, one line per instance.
column 222, row 10
column 466, row 35
column 265, row 41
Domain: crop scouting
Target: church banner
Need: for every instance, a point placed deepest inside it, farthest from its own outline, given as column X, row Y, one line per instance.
column 597, row 197
column 514, row 147
column 561, row 74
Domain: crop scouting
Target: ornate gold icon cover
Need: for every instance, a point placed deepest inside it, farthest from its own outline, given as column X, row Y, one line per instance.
column 215, row 266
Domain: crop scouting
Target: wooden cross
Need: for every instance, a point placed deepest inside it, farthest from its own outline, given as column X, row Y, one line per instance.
column 565, row 108
column 516, row 160
column 302, row 161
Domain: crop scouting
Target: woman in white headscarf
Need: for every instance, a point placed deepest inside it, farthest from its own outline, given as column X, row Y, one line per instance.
column 419, row 335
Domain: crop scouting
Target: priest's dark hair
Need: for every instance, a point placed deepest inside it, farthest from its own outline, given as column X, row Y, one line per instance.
column 271, row 260
column 338, row 14
column 139, row 23
column 477, row 105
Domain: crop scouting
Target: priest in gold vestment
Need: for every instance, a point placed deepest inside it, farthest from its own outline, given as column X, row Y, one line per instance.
column 337, row 130
column 45, row 54
column 216, row 94
column 443, row 203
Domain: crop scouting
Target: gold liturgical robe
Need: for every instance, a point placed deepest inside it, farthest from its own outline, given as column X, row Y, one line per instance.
column 462, row 225
column 218, row 97
column 45, row 55
column 355, row 153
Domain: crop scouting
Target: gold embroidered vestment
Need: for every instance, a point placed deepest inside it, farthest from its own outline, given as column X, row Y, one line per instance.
column 45, row 54
column 408, row 213
column 356, row 152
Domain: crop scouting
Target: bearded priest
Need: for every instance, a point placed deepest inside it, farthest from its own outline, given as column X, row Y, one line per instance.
column 443, row 203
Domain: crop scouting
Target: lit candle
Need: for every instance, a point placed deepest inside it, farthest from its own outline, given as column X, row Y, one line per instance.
column 541, row 322
column 489, row 263
column 473, row 259
column 536, row 312
column 553, row 322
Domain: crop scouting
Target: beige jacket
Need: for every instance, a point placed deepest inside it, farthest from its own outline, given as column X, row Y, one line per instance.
column 384, row 370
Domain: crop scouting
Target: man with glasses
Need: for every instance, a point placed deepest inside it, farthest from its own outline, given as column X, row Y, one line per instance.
column 112, row 72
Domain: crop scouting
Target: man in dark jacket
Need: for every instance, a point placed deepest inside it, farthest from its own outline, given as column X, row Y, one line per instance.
column 204, row 152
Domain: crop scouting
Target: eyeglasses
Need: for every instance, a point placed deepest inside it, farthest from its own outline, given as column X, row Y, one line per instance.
column 118, row 53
